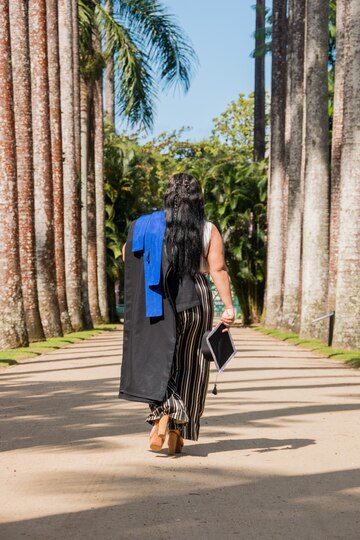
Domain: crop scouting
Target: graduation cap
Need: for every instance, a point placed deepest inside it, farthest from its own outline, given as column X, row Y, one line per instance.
column 219, row 347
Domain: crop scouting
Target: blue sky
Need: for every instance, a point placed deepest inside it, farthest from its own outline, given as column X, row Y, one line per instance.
column 221, row 33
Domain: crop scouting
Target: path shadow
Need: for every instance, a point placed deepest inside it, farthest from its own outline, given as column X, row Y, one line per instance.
column 83, row 412
column 231, row 445
column 202, row 504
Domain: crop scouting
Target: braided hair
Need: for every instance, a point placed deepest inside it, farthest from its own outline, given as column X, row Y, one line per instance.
column 184, row 212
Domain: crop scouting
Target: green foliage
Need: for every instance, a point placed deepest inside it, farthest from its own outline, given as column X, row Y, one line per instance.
column 166, row 45
column 234, row 128
column 234, row 188
column 131, row 189
column 235, row 194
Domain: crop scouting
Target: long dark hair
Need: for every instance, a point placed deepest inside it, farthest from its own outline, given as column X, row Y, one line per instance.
column 184, row 212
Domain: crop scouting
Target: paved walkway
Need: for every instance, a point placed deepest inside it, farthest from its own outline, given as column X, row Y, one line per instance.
column 278, row 456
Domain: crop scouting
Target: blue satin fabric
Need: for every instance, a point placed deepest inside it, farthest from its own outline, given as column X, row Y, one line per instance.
column 148, row 237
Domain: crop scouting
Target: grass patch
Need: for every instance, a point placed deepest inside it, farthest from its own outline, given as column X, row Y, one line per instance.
column 349, row 357
column 10, row 357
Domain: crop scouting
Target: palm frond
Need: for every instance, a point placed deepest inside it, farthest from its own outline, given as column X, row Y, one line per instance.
column 136, row 87
column 170, row 50
column 85, row 15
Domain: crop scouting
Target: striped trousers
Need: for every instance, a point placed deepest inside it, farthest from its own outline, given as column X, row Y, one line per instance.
column 185, row 396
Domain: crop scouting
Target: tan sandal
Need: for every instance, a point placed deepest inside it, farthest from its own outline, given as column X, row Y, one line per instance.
column 158, row 434
column 175, row 442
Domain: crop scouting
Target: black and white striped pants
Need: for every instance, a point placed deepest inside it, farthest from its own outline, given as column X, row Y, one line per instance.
column 186, row 392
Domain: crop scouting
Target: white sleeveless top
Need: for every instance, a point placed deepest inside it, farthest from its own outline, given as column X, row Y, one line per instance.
column 204, row 267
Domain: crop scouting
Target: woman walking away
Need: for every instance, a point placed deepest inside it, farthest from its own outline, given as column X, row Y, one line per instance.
column 168, row 308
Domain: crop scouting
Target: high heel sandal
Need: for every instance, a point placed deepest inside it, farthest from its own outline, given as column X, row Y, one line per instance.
column 175, row 442
column 158, row 433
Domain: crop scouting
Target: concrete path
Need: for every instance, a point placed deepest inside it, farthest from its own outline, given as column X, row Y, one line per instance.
column 278, row 456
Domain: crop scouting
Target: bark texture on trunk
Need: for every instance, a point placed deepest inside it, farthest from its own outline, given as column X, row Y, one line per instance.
column 316, row 173
column 293, row 146
column 100, row 201
column 337, row 134
column 259, row 103
column 76, row 71
column 24, row 162
column 84, row 111
column 100, row 194
column 347, row 322
column 91, row 219
column 44, row 208
column 109, row 78
column 275, row 243
column 57, row 167
column 12, row 318
column 71, row 194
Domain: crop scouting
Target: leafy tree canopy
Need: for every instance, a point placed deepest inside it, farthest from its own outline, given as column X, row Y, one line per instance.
column 234, row 188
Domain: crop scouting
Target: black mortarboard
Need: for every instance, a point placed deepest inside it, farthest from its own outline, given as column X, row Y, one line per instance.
column 218, row 346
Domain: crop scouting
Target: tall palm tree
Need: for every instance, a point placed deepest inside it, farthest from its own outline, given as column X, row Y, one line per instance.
column 293, row 145
column 316, row 174
column 94, row 170
column 92, row 255
column 57, row 158
column 337, row 136
column 275, row 253
column 71, row 195
column 44, row 207
column 347, row 327
column 12, row 319
column 85, row 152
column 259, row 102
column 24, row 162
column 100, row 195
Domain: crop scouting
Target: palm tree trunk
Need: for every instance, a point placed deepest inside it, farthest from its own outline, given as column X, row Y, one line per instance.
column 71, row 196
column 57, row 166
column 24, row 163
column 294, row 135
column 347, row 327
column 12, row 317
column 259, row 104
column 109, row 78
column 275, row 248
column 84, row 116
column 100, row 193
column 92, row 217
column 337, row 134
column 44, row 207
column 316, row 180
column 76, row 71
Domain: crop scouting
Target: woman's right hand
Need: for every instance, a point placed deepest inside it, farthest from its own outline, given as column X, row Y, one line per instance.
column 228, row 317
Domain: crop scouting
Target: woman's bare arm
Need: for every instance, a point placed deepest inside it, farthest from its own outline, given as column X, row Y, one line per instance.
column 219, row 275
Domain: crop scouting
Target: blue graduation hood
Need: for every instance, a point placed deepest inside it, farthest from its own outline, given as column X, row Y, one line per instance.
column 149, row 231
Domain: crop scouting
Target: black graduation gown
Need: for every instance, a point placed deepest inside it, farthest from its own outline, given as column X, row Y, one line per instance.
column 149, row 342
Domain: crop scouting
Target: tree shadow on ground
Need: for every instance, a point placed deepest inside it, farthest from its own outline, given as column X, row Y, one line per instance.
column 206, row 504
column 231, row 445
column 81, row 410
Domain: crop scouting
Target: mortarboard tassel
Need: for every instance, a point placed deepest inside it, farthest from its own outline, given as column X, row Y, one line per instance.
column 215, row 391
